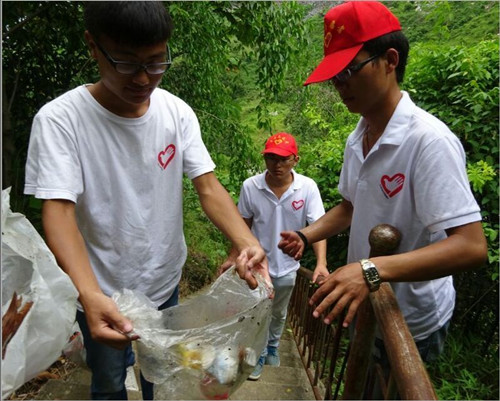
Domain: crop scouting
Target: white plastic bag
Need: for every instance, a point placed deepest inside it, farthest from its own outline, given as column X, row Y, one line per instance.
column 74, row 349
column 29, row 269
column 206, row 347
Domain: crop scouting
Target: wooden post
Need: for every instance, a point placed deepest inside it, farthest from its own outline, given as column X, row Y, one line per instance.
column 407, row 368
column 383, row 241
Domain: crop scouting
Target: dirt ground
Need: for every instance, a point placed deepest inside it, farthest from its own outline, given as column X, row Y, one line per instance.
column 60, row 369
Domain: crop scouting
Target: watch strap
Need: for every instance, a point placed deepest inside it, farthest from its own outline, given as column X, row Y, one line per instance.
column 303, row 238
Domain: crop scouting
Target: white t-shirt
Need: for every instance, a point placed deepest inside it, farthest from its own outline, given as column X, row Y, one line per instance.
column 300, row 203
column 414, row 178
column 125, row 177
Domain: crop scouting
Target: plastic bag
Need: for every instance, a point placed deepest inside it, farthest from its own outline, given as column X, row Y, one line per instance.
column 32, row 278
column 206, row 347
column 74, row 349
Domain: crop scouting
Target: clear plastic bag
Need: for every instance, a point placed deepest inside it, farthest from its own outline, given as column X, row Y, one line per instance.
column 206, row 347
column 38, row 300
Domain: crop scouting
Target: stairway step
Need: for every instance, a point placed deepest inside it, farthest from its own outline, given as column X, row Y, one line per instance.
column 289, row 355
column 283, row 375
column 267, row 391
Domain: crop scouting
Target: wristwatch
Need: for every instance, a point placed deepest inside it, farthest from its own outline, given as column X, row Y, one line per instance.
column 370, row 273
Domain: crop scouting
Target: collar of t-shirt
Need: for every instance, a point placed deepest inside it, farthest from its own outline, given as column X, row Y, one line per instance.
column 296, row 184
column 394, row 132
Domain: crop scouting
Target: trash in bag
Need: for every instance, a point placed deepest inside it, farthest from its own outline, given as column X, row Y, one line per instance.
column 206, row 347
column 38, row 302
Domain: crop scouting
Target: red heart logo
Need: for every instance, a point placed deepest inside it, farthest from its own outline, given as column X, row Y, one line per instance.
column 166, row 156
column 297, row 204
column 392, row 185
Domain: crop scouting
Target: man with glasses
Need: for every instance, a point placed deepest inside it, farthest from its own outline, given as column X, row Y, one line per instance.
column 276, row 200
column 108, row 161
column 402, row 166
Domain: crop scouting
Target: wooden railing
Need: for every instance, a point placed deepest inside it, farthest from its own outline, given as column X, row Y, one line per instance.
column 338, row 364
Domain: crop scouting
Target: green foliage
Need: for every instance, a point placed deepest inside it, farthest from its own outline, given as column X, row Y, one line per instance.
column 264, row 34
column 460, row 86
column 479, row 174
column 452, row 22
column 461, row 374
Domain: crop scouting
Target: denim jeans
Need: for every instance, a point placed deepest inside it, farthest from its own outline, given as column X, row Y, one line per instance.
column 429, row 348
column 283, row 288
column 109, row 365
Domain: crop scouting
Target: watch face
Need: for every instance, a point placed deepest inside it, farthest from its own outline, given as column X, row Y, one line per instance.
column 370, row 274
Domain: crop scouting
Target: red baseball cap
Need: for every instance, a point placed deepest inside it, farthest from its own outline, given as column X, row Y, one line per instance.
column 347, row 27
column 281, row 144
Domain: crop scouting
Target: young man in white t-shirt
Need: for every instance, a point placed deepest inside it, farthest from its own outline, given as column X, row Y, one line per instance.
column 108, row 160
column 402, row 166
column 276, row 200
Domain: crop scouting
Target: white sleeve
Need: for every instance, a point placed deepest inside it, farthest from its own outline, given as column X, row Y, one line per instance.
column 315, row 204
column 343, row 186
column 196, row 159
column 244, row 205
column 443, row 198
column 53, row 169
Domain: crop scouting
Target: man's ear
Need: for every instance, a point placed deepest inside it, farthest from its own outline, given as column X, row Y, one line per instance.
column 91, row 44
column 392, row 57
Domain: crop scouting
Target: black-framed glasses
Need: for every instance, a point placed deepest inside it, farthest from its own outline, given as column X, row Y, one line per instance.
column 346, row 73
column 128, row 68
column 272, row 158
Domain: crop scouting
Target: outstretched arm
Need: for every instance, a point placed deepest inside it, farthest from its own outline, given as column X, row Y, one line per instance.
column 333, row 222
column 221, row 210
column 320, row 270
column 63, row 237
column 233, row 253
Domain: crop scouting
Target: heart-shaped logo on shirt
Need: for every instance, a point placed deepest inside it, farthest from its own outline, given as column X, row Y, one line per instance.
column 166, row 156
column 392, row 185
column 297, row 204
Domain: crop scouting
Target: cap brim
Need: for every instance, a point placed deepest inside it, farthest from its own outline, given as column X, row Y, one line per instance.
column 332, row 64
column 279, row 152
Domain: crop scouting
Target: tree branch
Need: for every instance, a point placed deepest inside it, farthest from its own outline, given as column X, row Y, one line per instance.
column 6, row 33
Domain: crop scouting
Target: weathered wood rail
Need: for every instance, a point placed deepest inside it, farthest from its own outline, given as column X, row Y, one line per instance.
column 338, row 363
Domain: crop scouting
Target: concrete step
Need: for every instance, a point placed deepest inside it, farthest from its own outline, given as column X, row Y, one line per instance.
column 276, row 383
column 289, row 381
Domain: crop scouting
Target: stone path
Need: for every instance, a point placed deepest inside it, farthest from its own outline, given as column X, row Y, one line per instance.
column 287, row 382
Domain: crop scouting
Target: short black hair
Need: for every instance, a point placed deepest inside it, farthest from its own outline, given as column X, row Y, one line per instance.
column 396, row 40
column 135, row 23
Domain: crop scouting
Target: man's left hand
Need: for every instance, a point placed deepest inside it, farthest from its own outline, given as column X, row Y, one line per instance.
column 345, row 288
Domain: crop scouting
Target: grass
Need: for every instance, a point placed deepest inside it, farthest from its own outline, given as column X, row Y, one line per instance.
column 461, row 373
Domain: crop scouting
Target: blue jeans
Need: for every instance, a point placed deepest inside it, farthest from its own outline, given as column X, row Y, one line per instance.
column 283, row 288
column 109, row 365
column 429, row 348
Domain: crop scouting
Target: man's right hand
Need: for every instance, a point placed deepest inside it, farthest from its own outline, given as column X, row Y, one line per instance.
column 291, row 244
column 106, row 324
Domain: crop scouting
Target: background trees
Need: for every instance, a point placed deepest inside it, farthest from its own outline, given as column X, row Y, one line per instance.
column 241, row 66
